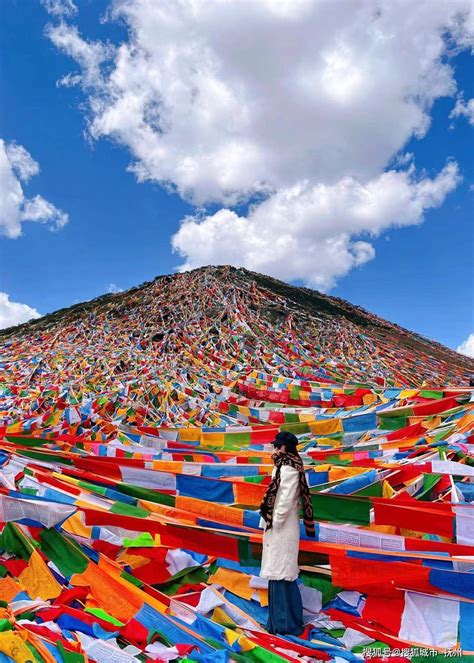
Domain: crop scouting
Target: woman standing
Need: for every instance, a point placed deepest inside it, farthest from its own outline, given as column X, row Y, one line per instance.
column 280, row 510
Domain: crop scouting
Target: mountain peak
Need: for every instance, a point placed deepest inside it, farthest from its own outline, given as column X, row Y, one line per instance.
column 209, row 327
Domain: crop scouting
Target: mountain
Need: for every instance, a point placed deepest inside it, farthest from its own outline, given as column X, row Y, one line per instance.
column 168, row 349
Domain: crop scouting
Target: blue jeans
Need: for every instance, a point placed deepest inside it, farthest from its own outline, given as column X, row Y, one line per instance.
column 285, row 608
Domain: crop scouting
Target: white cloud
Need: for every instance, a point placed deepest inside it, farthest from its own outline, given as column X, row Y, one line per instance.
column 69, row 80
column 289, row 101
column 13, row 313
column 304, row 232
column 89, row 55
column 467, row 346
column 113, row 289
column 463, row 109
column 39, row 209
column 21, row 161
column 60, row 8
column 404, row 159
column 17, row 166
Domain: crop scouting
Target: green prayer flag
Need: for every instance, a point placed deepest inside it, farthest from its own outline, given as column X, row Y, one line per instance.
column 69, row 657
column 129, row 510
column 322, row 583
column 429, row 482
column 36, row 655
column 146, row 494
column 15, row 542
column 63, row 552
column 144, row 540
column 27, row 441
column 373, row 490
column 393, row 423
column 342, row 508
column 5, row 625
column 431, row 394
column 101, row 614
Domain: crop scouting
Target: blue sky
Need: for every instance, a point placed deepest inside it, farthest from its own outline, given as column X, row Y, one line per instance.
column 119, row 229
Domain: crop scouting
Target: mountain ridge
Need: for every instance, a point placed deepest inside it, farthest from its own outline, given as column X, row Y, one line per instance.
column 307, row 299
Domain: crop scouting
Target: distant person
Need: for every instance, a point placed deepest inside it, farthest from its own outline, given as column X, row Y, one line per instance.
column 280, row 511
column 471, row 381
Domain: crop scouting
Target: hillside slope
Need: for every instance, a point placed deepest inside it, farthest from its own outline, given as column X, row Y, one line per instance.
column 201, row 331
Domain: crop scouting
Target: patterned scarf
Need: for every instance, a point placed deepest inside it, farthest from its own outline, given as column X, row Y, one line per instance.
column 268, row 502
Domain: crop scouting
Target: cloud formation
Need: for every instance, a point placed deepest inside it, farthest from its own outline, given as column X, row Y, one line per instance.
column 60, row 8
column 307, row 229
column 16, row 167
column 463, row 109
column 467, row 346
column 113, row 289
column 13, row 313
column 280, row 105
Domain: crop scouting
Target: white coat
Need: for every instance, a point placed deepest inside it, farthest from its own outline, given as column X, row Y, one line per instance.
column 281, row 542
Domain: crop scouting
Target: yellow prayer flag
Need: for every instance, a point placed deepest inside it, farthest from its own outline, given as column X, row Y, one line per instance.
column 38, row 580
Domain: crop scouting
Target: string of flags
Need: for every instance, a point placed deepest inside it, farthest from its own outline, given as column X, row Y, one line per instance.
column 135, row 448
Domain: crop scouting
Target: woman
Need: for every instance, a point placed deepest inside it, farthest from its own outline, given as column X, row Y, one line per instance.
column 280, row 510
